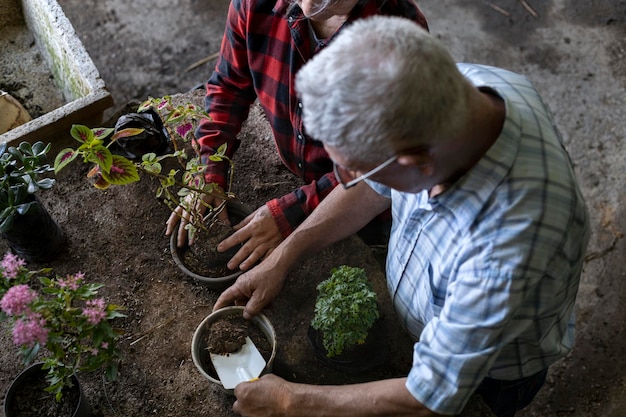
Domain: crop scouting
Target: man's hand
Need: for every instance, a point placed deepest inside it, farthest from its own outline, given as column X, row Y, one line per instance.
column 185, row 216
column 255, row 289
column 259, row 234
column 262, row 397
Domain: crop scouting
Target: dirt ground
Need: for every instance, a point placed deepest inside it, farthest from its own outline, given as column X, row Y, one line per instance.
column 573, row 50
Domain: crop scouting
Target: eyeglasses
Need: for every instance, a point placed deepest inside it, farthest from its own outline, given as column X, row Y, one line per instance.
column 355, row 181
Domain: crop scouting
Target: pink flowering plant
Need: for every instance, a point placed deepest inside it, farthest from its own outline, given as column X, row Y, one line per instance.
column 174, row 185
column 13, row 272
column 63, row 315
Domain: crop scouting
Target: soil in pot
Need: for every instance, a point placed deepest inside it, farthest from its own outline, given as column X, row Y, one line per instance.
column 228, row 335
column 202, row 256
column 29, row 399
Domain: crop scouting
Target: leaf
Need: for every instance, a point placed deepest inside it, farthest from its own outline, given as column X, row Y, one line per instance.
column 24, row 208
column 122, row 171
column 29, row 354
column 82, row 133
column 176, row 117
column 101, row 156
column 25, row 148
column 46, row 183
column 102, row 132
column 101, row 183
column 125, row 133
column 111, row 372
column 40, row 149
column 7, row 217
column 146, row 105
column 154, row 167
column 63, row 158
column 184, row 129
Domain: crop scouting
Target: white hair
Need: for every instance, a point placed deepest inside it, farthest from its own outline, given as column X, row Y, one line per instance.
column 383, row 85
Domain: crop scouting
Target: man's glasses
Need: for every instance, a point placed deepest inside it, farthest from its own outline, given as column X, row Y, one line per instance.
column 351, row 183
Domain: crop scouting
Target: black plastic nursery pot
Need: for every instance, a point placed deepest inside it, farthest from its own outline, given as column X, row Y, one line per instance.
column 35, row 236
column 25, row 393
column 237, row 212
column 356, row 359
column 200, row 354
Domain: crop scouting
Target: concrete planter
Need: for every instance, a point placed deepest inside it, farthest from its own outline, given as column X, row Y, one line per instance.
column 70, row 66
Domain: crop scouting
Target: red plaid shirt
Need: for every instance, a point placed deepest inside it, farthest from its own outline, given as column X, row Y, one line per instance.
column 264, row 46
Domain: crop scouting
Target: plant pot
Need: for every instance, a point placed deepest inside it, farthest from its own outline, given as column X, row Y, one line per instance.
column 19, row 401
column 223, row 277
column 35, row 236
column 200, row 353
column 355, row 359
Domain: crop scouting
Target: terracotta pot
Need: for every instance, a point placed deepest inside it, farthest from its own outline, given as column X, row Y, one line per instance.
column 237, row 212
column 35, row 236
column 18, row 387
column 200, row 354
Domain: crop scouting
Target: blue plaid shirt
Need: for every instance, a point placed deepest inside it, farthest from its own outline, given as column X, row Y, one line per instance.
column 485, row 275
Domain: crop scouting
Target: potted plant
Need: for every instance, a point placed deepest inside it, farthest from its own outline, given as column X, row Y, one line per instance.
column 25, row 223
column 176, row 187
column 346, row 311
column 230, row 321
column 64, row 316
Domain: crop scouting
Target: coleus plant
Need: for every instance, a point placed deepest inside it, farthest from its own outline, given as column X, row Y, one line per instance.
column 175, row 185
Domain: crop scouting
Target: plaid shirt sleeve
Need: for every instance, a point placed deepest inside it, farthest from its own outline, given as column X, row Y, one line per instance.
column 230, row 93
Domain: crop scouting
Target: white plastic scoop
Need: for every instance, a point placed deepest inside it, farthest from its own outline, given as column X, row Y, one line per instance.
column 243, row 365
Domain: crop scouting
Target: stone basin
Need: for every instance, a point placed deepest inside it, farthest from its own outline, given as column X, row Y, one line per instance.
column 78, row 93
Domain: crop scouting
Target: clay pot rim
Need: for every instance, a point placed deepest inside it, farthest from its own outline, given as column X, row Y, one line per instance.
column 83, row 408
column 216, row 283
column 198, row 345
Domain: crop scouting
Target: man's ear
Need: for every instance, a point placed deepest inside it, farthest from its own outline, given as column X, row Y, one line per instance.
column 421, row 160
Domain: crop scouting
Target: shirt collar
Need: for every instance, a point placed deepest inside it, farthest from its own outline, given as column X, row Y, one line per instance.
column 472, row 191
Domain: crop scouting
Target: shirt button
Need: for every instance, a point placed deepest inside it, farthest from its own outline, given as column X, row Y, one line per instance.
column 299, row 137
column 300, row 165
column 300, row 104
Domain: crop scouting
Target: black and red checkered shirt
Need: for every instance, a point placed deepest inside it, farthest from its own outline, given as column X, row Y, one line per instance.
column 265, row 44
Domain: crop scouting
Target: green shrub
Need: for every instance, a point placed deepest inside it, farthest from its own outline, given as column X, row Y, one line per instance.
column 345, row 309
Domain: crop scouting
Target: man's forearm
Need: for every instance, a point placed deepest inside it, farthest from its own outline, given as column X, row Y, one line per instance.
column 380, row 398
column 341, row 214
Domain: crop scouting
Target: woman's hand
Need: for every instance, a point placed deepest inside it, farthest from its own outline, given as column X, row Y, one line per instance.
column 259, row 235
column 200, row 204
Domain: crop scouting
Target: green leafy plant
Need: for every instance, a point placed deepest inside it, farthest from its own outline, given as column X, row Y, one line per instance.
column 184, row 186
column 22, row 170
column 65, row 316
column 345, row 309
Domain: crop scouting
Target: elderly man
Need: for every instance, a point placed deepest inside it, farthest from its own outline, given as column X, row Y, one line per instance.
column 489, row 225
